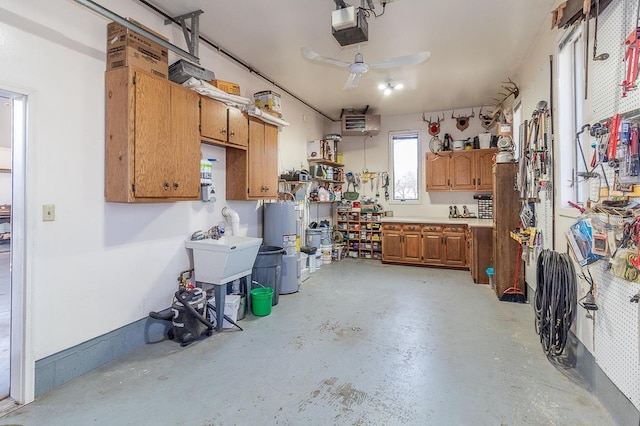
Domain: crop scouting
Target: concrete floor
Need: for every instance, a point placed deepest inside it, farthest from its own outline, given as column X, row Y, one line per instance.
column 361, row 344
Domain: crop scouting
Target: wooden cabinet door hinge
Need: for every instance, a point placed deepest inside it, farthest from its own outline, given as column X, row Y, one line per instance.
column 133, row 187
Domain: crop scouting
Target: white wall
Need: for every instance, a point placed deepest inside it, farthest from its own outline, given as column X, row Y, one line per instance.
column 372, row 153
column 101, row 265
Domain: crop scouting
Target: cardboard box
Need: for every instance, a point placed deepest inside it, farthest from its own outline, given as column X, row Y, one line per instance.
column 268, row 100
column 314, row 149
column 128, row 48
column 503, row 129
column 226, row 86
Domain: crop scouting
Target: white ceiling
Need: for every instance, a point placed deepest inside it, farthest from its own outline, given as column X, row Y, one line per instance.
column 475, row 46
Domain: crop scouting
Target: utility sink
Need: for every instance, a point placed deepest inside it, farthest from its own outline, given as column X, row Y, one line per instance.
column 225, row 259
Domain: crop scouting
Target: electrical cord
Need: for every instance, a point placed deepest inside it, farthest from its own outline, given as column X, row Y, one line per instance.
column 555, row 300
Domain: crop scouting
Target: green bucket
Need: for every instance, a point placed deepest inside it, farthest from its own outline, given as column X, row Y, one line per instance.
column 261, row 299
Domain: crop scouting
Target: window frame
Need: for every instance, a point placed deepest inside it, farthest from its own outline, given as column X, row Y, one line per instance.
column 570, row 93
column 419, row 173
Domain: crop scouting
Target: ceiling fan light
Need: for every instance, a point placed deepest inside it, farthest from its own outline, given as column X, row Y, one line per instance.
column 382, row 86
column 387, row 91
column 398, row 86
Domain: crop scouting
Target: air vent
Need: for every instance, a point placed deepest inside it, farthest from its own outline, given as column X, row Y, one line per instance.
column 360, row 124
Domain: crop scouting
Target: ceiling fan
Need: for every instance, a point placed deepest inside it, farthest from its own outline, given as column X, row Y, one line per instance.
column 359, row 67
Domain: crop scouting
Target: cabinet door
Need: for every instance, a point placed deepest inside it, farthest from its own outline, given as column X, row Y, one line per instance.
column 238, row 127
column 437, row 172
column 484, row 172
column 269, row 161
column 185, row 143
column 432, row 245
column 412, row 241
column 257, row 160
column 392, row 245
column 463, row 170
column 455, row 248
column 213, row 119
column 152, row 137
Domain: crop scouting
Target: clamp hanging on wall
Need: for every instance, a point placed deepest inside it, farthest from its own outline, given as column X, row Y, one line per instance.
column 194, row 39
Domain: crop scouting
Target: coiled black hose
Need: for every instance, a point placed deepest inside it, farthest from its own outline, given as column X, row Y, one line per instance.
column 555, row 301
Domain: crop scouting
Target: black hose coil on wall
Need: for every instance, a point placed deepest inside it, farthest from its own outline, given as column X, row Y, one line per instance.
column 555, row 301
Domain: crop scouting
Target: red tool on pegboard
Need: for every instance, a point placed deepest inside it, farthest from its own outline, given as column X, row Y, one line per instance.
column 631, row 56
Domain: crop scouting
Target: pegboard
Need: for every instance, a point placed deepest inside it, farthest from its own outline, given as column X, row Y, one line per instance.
column 616, row 324
column 614, row 25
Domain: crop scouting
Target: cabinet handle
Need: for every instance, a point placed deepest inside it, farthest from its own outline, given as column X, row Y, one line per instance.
column 474, row 181
column 233, row 133
column 223, row 131
column 175, row 185
column 448, row 182
column 165, row 186
column 479, row 181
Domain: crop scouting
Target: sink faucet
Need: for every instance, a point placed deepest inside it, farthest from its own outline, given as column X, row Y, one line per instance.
column 214, row 233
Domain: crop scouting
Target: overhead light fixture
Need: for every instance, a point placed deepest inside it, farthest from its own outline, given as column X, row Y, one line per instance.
column 389, row 87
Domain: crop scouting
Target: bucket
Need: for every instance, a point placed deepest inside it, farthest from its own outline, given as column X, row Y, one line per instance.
column 261, row 301
column 326, row 236
column 314, row 237
column 485, row 140
column 490, row 274
column 326, row 249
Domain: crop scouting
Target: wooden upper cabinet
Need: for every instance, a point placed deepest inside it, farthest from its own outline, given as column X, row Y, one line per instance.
column 252, row 173
column 213, row 119
column 238, row 127
column 437, row 173
column 467, row 170
column 152, row 147
column 221, row 124
column 463, row 171
column 484, row 169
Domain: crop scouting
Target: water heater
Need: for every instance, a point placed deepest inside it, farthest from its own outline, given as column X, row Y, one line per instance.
column 282, row 229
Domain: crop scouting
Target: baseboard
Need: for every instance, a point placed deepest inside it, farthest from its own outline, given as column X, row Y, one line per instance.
column 66, row 365
column 585, row 366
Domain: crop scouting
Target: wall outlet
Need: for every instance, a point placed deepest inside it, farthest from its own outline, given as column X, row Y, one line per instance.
column 48, row 212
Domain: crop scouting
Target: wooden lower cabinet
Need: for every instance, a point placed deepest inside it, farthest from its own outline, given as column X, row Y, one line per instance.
column 421, row 244
column 454, row 241
column 392, row 247
column 481, row 254
column 432, row 244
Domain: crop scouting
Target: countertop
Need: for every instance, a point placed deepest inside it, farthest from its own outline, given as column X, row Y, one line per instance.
column 471, row 222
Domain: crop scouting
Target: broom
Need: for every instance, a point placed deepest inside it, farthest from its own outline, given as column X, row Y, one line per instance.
column 513, row 293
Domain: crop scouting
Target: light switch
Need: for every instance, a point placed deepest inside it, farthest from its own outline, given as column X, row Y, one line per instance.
column 48, row 212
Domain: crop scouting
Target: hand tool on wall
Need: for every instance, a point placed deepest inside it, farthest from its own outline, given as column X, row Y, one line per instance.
column 634, row 148
column 614, row 127
column 631, row 57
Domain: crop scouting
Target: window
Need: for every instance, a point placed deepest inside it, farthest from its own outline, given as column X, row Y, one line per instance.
column 570, row 119
column 405, row 161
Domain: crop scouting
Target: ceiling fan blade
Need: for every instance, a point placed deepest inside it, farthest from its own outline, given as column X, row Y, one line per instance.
column 399, row 61
column 352, row 81
column 310, row 54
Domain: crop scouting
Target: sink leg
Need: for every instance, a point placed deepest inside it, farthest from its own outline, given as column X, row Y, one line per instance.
column 247, row 291
column 220, row 292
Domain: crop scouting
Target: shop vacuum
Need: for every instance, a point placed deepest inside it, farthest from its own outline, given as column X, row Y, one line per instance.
column 188, row 316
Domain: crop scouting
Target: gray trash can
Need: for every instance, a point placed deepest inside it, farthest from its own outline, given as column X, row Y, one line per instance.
column 267, row 269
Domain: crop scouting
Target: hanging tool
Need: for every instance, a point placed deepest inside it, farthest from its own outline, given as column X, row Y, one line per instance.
column 634, row 148
column 378, row 186
column 614, row 127
column 386, row 186
column 631, row 57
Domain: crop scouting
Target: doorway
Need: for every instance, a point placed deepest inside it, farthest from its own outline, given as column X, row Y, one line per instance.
column 13, row 136
column 6, row 107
